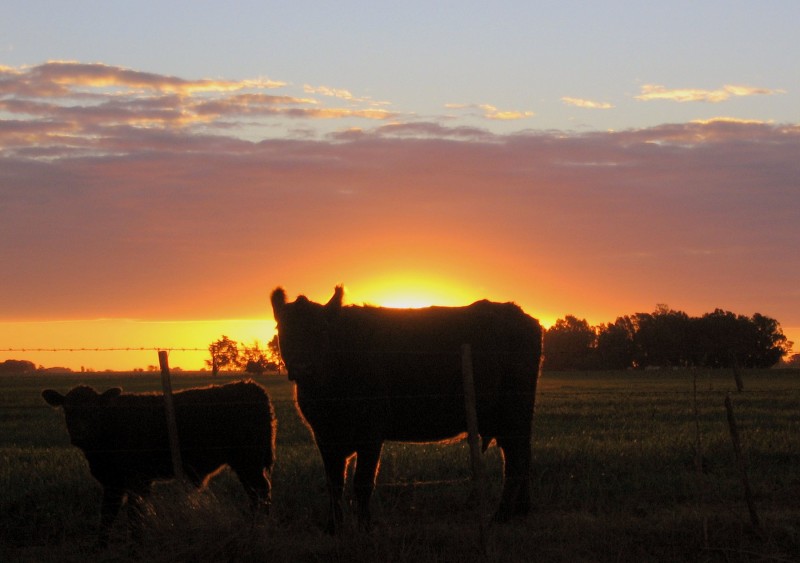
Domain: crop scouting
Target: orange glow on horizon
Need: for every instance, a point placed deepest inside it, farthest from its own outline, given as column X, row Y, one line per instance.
column 125, row 344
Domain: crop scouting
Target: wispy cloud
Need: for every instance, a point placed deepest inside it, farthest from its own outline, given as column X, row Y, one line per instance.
column 62, row 78
column 651, row 92
column 588, row 104
column 722, row 119
column 78, row 106
column 328, row 91
column 489, row 111
column 418, row 130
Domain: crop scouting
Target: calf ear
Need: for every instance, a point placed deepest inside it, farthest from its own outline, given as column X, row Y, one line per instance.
column 112, row 393
column 53, row 398
column 334, row 305
column 278, row 301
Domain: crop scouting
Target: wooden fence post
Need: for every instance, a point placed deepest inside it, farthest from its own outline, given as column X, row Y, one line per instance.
column 476, row 456
column 169, row 409
column 740, row 462
column 737, row 376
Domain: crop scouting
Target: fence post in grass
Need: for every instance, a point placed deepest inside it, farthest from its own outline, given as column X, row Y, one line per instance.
column 740, row 462
column 169, row 409
column 698, row 458
column 478, row 469
column 737, row 376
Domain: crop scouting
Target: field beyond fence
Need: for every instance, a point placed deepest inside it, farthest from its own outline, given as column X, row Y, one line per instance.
column 627, row 466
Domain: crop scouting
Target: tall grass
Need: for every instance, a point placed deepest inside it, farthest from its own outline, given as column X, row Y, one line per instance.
column 615, row 478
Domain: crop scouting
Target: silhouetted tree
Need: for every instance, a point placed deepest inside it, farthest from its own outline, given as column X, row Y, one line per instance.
column 662, row 338
column 224, row 355
column 274, row 347
column 275, row 352
column 666, row 338
column 720, row 339
column 771, row 345
column 569, row 344
column 792, row 361
column 730, row 340
column 17, row 366
column 257, row 361
column 615, row 349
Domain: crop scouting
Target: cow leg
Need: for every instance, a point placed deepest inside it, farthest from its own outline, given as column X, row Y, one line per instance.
column 335, row 461
column 112, row 501
column 515, row 499
column 367, row 463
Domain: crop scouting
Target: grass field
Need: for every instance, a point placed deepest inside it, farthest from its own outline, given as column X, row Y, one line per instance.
column 615, row 478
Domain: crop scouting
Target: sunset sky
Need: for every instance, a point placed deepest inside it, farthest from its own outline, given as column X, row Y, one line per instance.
column 165, row 165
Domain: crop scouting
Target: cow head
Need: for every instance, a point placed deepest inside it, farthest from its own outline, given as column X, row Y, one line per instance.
column 82, row 405
column 304, row 330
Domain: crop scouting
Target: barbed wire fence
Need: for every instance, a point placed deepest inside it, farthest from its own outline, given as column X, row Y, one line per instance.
column 120, row 349
column 478, row 478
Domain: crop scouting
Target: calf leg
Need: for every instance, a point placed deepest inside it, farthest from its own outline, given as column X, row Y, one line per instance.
column 256, row 482
column 137, row 507
column 367, row 463
column 112, row 500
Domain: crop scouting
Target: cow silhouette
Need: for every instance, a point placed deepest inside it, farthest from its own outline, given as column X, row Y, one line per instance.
column 125, row 441
column 365, row 375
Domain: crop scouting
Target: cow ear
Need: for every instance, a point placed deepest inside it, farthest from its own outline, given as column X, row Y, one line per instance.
column 278, row 302
column 53, row 398
column 334, row 305
column 112, row 393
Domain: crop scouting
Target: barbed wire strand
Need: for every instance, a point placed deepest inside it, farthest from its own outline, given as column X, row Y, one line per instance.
column 126, row 349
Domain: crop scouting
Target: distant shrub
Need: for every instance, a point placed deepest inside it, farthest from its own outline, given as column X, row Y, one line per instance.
column 17, row 366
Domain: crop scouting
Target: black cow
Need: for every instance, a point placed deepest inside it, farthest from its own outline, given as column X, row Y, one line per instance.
column 124, row 438
column 364, row 375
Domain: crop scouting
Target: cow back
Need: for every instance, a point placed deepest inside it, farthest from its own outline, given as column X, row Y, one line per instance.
column 401, row 369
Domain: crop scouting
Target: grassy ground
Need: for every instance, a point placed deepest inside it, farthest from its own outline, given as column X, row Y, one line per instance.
column 616, row 477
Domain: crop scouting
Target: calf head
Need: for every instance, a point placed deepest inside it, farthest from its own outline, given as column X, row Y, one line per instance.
column 304, row 331
column 82, row 408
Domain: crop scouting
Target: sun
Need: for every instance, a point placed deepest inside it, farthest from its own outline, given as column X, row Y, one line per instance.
column 407, row 300
column 407, row 290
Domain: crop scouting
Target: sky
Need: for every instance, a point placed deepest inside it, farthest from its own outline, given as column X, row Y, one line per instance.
column 165, row 166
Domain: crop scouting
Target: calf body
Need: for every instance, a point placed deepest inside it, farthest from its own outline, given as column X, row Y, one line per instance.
column 124, row 439
column 365, row 375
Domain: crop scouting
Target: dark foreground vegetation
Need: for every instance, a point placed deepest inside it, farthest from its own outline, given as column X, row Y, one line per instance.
column 627, row 466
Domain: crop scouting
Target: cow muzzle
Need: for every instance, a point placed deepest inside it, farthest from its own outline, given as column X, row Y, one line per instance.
column 302, row 371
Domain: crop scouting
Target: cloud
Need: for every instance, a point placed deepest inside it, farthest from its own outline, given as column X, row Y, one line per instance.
column 658, row 92
column 59, row 78
column 729, row 120
column 416, row 130
column 589, row 104
column 332, row 92
column 337, row 113
column 80, row 106
column 505, row 115
column 489, row 111
column 342, row 94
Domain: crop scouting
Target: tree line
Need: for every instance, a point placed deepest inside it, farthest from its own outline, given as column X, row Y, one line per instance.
column 663, row 338
column 228, row 355
column 666, row 338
